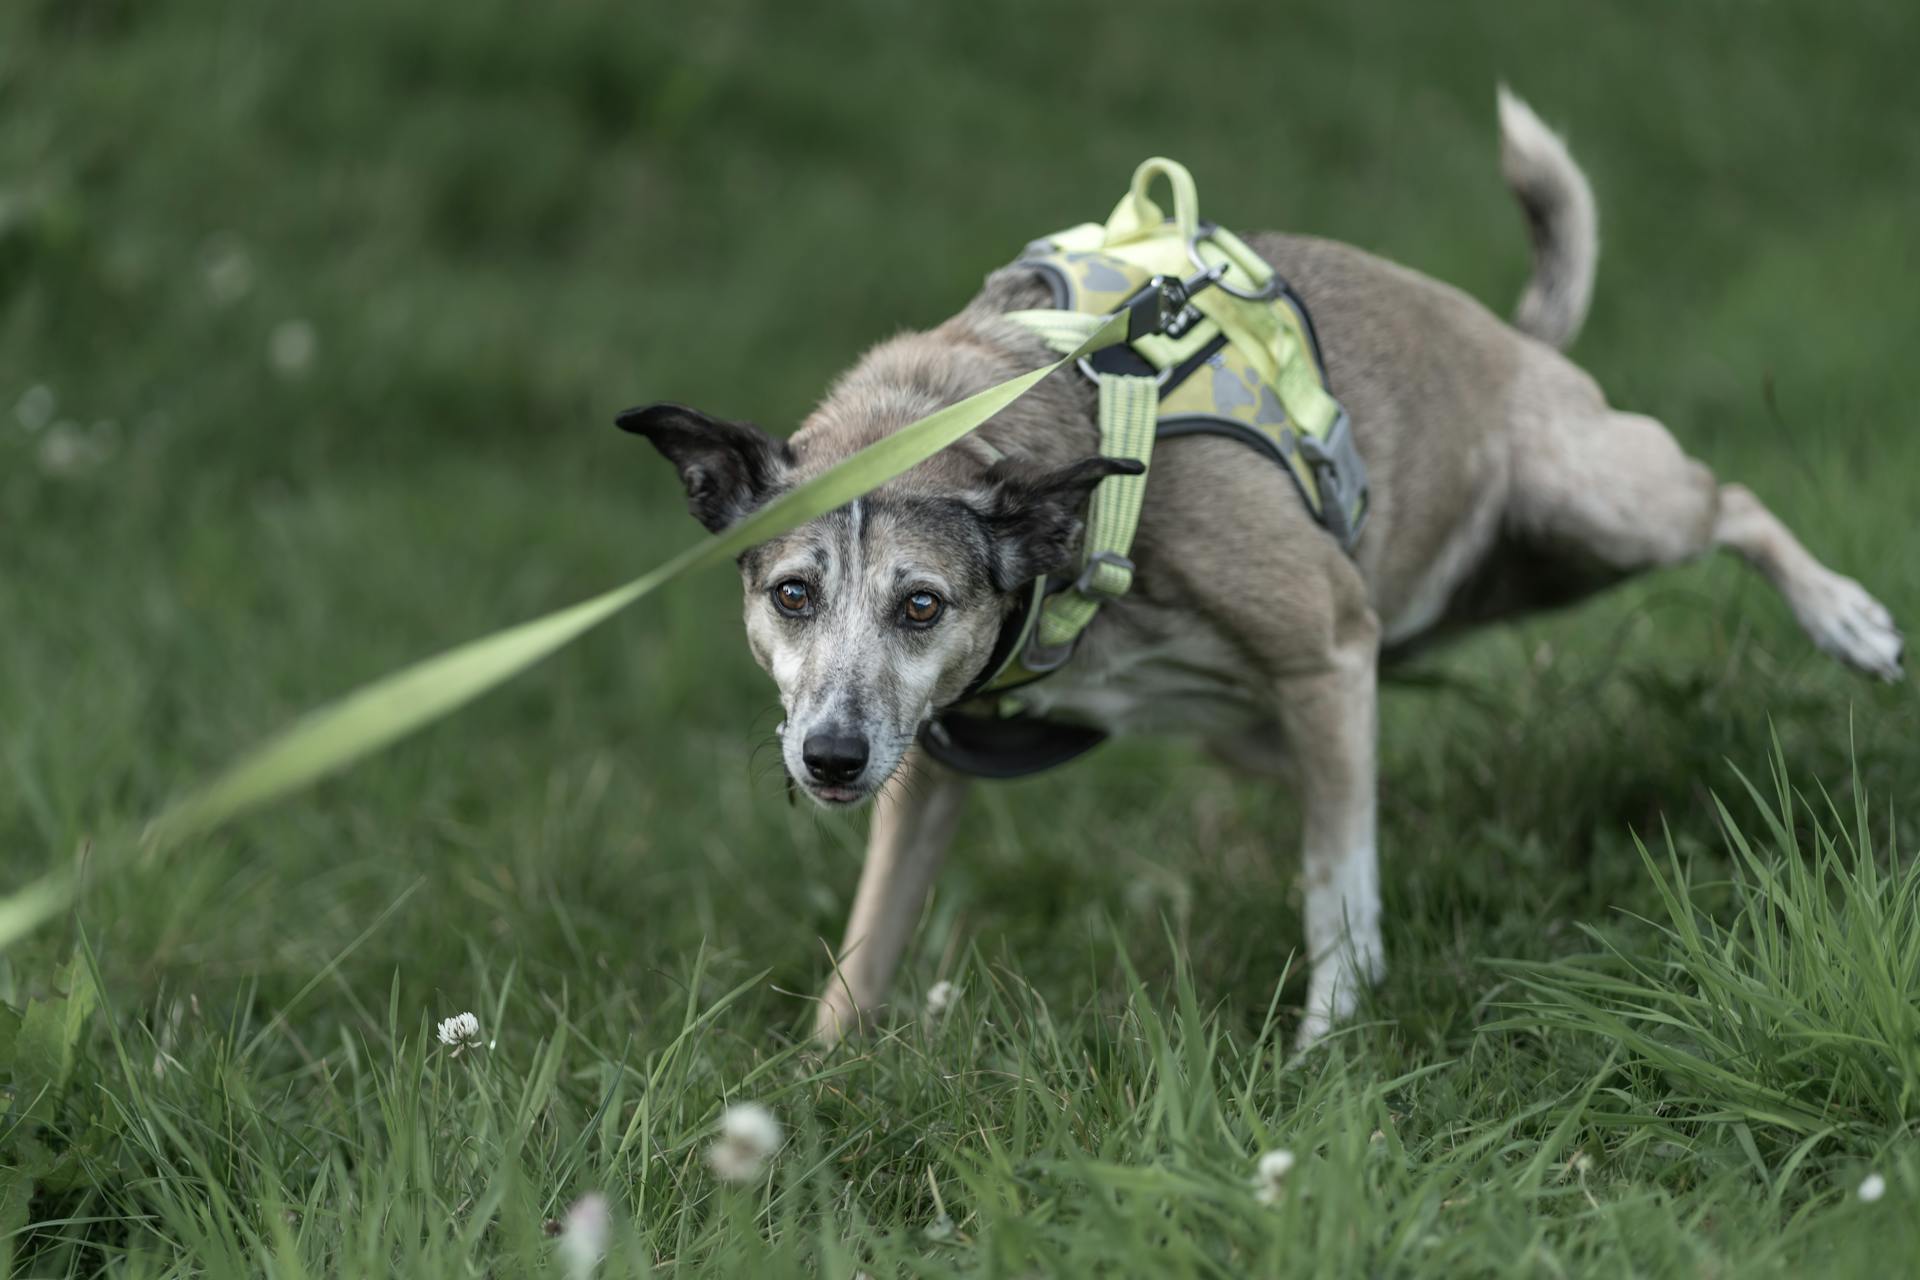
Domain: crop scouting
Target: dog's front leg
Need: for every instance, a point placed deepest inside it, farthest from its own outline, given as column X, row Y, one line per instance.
column 913, row 822
column 1329, row 718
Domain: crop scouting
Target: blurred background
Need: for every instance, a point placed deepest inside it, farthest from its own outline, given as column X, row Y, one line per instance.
column 314, row 317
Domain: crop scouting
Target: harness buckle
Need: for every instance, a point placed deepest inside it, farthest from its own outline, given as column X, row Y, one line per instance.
column 1086, row 583
column 1041, row 659
column 1341, row 477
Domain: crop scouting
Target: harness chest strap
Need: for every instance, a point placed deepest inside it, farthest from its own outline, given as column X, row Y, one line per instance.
column 1129, row 414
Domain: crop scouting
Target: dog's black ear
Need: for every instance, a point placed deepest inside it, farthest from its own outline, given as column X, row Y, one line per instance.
column 729, row 468
column 1032, row 516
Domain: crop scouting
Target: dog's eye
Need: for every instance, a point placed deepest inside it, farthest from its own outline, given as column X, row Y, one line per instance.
column 921, row 608
column 792, row 597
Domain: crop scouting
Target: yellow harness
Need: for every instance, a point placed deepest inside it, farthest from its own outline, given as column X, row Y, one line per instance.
column 1219, row 345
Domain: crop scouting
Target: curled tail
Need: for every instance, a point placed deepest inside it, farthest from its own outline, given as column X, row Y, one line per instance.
column 1561, row 222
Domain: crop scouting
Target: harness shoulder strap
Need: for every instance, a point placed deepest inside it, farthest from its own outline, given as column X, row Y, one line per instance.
column 1129, row 412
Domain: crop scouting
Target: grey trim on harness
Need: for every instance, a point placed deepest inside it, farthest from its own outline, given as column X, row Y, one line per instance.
column 1342, row 475
column 1336, row 464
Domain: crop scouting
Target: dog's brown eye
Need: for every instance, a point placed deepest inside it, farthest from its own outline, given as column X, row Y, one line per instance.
column 792, row 596
column 920, row 608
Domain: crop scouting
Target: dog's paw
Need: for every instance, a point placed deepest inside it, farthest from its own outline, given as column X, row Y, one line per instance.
column 1312, row 1030
column 1850, row 625
column 837, row 1018
column 1333, row 992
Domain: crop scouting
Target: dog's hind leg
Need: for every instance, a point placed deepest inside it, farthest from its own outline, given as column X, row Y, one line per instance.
column 913, row 822
column 1617, row 487
column 1836, row 611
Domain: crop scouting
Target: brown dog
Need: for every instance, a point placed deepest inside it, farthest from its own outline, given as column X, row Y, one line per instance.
column 1501, row 481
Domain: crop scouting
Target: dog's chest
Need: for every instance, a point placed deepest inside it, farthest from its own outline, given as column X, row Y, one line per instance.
column 1193, row 685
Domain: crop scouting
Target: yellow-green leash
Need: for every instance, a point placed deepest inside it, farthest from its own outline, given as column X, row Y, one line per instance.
column 334, row 736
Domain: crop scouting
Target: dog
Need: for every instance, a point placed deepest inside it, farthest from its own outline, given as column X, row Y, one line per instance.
column 1501, row 481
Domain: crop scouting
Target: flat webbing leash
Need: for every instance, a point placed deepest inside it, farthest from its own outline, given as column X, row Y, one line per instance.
column 341, row 732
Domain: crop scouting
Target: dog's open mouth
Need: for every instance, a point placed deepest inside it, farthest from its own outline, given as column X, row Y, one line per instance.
column 836, row 796
column 828, row 795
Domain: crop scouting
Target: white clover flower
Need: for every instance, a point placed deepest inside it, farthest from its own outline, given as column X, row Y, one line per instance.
column 940, row 998
column 749, row 1135
column 1872, row 1187
column 583, row 1240
column 228, row 268
column 1271, row 1175
column 36, row 406
column 460, row 1033
column 63, row 450
column 67, row 448
column 291, row 348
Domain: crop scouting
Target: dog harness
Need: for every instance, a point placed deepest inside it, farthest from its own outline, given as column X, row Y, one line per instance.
column 1217, row 344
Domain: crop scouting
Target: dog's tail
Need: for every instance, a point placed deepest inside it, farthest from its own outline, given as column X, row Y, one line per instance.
column 1561, row 222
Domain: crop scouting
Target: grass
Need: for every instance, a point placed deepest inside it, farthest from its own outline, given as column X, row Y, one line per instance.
column 1625, row 1030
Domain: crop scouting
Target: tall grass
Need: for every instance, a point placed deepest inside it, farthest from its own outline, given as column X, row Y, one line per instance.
column 1781, row 1006
column 497, row 223
column 1757, row 1056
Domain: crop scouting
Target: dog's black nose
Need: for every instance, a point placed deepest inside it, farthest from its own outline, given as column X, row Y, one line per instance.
column 834, row 758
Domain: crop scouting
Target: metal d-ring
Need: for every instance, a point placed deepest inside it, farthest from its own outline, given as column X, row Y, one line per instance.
column 1265, row 294
column 1085, row 364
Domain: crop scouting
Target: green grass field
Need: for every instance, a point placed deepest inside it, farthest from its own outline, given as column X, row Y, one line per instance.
column 313, row 318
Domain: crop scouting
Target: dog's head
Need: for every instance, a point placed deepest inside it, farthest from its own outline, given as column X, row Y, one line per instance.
column 874, row 616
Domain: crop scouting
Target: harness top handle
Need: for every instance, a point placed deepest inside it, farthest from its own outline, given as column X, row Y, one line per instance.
column 1246, row 275
column 1137, row 216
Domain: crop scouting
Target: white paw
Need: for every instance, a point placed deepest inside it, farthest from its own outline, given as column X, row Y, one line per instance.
column 1333, row 992
column 1312, row 1030
column 836, row 1017
column 1849, row 624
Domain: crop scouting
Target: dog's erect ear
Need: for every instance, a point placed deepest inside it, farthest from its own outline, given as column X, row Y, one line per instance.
column 729, row 468
column 1032, row 517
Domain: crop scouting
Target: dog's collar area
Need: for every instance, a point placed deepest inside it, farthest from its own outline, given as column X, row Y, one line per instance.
column 985, row 747
column 1013, row 634
column 1217, row 344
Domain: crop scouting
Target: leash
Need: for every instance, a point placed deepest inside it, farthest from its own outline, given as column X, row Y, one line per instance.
column 339, row 733
column 1158, row 313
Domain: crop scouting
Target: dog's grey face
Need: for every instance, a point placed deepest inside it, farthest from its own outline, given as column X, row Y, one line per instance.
column 872, row 617
column 868, row 619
